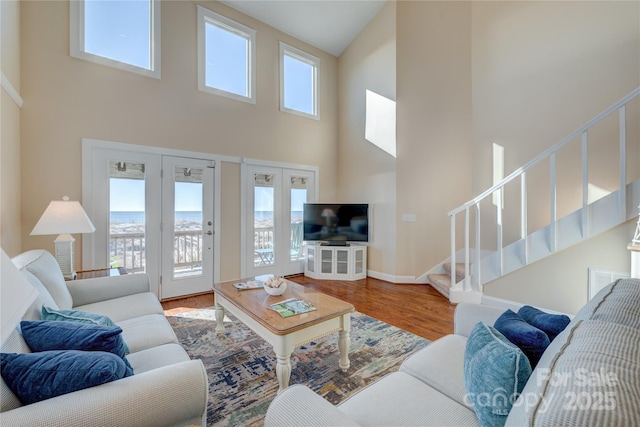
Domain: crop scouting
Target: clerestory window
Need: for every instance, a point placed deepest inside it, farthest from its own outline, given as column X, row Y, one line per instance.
column 298, row 82
column 226, row 57
column 123, row 34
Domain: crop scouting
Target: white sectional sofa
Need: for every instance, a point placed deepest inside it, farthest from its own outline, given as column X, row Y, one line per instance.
column 588, row 376
column 167, row 388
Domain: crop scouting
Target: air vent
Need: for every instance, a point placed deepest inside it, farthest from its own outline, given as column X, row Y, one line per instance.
column 598, row 279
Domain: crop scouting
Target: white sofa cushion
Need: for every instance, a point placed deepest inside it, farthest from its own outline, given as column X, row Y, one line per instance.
column 45, row 268
column 141, row 333
column 123, row 308
column 440, row 365
column 157, row 357
column 399, row 399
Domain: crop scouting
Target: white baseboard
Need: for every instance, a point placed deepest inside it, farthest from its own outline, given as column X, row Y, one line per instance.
column 514, row 306
column 501, row 303
column 393, row 278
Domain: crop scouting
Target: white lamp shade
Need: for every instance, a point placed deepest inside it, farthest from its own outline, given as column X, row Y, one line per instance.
column 63, row 217
column 16, row 295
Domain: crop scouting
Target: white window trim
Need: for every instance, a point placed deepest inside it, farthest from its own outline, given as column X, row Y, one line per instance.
column 76, row 41
column 315, row 63
column 205, row 15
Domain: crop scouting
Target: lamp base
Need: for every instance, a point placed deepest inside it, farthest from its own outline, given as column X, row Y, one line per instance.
column 64, row 255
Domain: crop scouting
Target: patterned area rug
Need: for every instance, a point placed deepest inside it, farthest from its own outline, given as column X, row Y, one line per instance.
column 241, row 365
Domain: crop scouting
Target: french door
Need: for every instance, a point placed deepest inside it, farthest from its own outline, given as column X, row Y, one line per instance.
column 153, row 213
column 274, row 201
column 187, row 226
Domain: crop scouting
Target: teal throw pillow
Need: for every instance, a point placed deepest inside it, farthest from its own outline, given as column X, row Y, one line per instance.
column 495, row 372
column 551, row 324
column 531, row 340
column 38, row 376
column 49, row 313
column 80, row 316
column 45, row 335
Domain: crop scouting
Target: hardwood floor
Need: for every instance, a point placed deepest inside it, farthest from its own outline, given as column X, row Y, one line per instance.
column 415, row 308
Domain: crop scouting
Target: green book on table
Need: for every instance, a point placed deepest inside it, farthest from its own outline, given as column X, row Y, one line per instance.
column 292, row 306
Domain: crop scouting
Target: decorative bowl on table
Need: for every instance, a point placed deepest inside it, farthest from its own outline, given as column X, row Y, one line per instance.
column 275, row 286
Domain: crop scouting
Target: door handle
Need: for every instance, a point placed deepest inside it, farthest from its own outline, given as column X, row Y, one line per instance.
column 209, row 232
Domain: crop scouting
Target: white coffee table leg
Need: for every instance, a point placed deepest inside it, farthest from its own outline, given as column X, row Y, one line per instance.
column 283, row 349
column 219, row 318
column 344, row 342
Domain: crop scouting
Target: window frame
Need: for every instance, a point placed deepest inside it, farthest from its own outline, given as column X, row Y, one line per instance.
column 207, row 16
column 305, row 57
column 77, row 36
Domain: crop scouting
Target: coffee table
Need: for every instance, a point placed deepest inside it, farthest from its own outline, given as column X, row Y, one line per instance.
column 251, row 307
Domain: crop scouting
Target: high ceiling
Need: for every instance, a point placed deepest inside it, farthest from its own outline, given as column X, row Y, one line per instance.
column 330, row 25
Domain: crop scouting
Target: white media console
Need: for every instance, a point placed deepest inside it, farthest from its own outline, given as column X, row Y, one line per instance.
column 335, row 262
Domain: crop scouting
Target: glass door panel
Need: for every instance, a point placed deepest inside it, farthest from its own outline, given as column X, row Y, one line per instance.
column 127, row 219
column 263, row 219
column 188, row 227
column 298, row 189
column 298, row 197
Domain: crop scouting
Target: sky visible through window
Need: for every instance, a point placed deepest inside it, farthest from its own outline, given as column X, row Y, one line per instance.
column 119, row 30
column 227, row 56
column 298, row 85
column 127, row 195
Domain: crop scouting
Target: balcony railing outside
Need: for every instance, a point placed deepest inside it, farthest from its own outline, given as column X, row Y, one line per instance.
column 128, row 249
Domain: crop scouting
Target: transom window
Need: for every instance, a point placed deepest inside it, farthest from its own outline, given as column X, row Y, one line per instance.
column 298, row 82
column 226, row 57
column 123, row 34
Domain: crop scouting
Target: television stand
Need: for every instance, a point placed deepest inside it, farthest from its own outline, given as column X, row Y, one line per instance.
column 335, row 262
column 336, row 243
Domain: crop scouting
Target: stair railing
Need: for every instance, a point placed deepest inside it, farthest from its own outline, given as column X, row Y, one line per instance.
column 550, row 153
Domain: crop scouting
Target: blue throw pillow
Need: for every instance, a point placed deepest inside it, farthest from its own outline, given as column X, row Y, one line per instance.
column 37, row 376
column 80, row 316
column 551, row 324
column 495, row 372
column 44, row 335
column 531, row 340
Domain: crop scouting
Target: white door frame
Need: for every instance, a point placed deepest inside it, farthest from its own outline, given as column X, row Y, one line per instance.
column 92, row 149
column 247, row 166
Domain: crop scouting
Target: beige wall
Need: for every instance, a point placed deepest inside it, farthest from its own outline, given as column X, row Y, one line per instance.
column 366, row 173
column 434, row 127
column 541, row 70
column 458, row 70
column 67, row 99
column 10, row 221
column 561, row 282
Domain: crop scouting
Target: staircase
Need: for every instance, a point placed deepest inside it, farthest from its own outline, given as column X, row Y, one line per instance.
column 477, row 265
column 442, row 282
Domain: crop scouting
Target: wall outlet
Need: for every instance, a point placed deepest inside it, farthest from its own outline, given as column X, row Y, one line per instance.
column 408, row 218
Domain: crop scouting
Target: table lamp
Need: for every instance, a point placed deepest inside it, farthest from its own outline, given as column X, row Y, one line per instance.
column 65, row 218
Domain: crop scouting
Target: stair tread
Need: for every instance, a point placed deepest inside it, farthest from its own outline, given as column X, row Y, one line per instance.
column 441, row 283
column 459, row 270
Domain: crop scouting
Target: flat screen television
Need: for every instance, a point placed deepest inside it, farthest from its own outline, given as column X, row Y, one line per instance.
column 335, row 223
